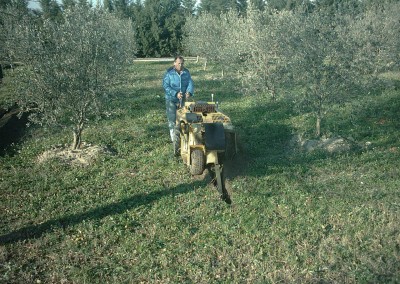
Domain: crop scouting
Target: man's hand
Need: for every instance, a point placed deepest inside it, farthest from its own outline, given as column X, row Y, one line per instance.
column 180, row 95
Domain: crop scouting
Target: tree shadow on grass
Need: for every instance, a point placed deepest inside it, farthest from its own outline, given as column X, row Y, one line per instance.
column 262, row 140
column 36, row 231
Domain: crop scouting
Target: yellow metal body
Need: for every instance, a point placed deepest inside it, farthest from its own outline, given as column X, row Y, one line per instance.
column 192, row 131
column 199, row 124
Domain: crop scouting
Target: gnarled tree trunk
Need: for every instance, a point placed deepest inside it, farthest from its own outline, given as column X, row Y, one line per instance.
column 77, row 131
column 318, row 126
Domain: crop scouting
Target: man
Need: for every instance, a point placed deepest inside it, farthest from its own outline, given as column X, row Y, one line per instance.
column 178, row 86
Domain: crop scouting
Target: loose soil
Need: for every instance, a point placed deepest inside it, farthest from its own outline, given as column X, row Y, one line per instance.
column 81, row 157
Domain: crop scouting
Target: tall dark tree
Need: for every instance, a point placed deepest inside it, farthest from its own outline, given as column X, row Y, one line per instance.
column 341, row 7
column 108, row 5
column 17, row 4
column 258, row 4
column 290, row 5
column 51, row 9
column 189, row 7
column 216, row 7
column 122, row 8
column 68, row 4
column 159, row 27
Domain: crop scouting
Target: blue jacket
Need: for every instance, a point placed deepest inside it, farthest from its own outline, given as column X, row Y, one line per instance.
column 173, row 83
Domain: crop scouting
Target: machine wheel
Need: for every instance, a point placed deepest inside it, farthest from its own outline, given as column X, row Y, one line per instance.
column 197, row 162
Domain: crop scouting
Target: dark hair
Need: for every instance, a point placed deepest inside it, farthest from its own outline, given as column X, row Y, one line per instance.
column 179, row 57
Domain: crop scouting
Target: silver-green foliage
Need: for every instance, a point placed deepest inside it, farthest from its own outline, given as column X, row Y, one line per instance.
column 325, row 55
column 338, row 55
column 204, row 36
column 69, row 65
column 9, row 18
column 321, row 68
column 250, row 45
column 376, row 38
column 214, row 38
column 265, row 55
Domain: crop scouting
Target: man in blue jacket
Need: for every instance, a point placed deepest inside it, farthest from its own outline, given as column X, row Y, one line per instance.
column 178, row 86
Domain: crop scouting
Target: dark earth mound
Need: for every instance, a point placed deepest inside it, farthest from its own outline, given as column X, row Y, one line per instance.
column 12, row 129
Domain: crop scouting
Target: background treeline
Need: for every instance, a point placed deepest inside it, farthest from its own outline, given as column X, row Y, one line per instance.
column 158, row 24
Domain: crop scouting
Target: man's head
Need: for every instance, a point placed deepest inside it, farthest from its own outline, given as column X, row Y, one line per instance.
column 178, row 63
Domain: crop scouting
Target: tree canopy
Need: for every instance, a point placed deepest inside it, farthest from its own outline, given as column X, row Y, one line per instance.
column 323, row 51
column 68, row 65
column 216, row 7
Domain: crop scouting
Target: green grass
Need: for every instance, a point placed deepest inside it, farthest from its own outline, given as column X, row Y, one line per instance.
column 138, row 215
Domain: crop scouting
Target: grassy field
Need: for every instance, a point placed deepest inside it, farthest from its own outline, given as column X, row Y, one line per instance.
column 136, row 215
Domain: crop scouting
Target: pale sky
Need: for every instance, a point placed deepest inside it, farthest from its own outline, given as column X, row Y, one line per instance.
column 33, row 4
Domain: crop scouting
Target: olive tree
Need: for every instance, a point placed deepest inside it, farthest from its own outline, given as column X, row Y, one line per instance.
column 10, row 15
column 375, row 33
column 69, row 66
column 336, row 56
column 205, row 37
column 263, row 63
column 249, row 45
column 233, row 44
column 320, row 64
column 220, row 39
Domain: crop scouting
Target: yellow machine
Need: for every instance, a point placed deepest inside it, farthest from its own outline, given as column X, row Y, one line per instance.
column 204, row 136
